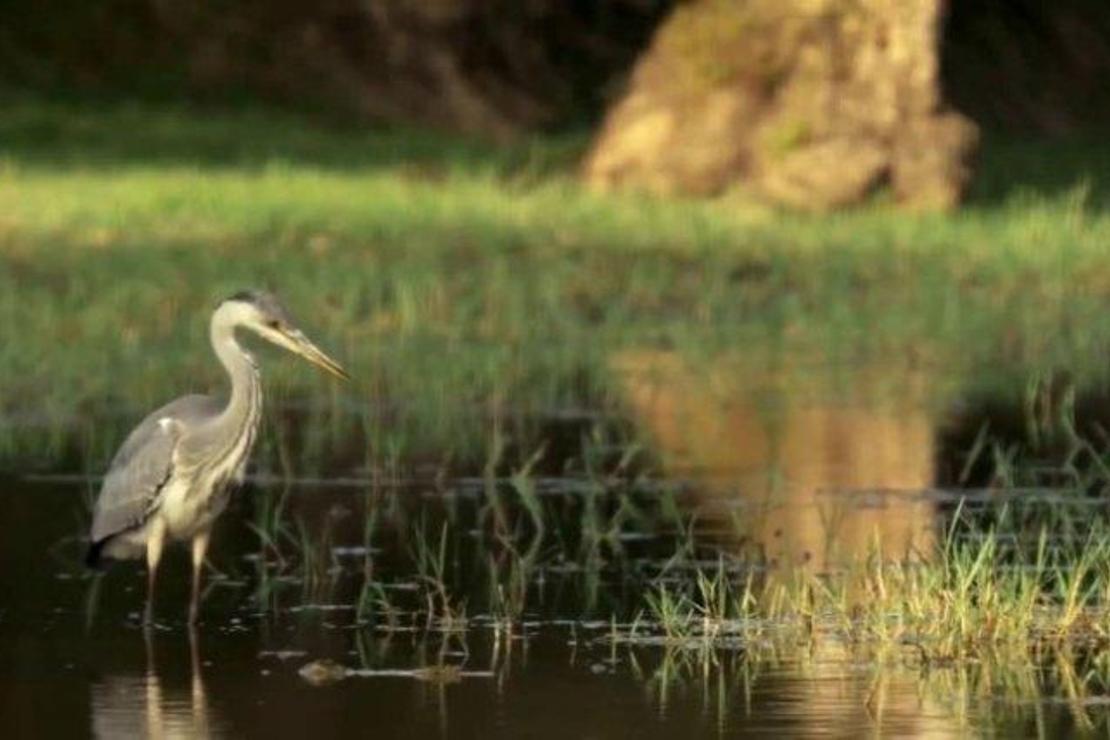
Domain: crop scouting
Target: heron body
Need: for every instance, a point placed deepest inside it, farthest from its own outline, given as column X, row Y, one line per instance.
column 173, row 475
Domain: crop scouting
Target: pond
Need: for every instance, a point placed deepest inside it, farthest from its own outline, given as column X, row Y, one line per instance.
column 618, row 578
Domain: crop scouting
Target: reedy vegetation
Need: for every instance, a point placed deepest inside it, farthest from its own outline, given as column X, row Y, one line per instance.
column 471, row 290
column 460, row 280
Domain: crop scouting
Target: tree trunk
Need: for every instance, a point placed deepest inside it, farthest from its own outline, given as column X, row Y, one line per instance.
column 807, row 103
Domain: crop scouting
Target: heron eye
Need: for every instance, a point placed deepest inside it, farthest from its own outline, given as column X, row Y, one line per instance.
column 273, row 324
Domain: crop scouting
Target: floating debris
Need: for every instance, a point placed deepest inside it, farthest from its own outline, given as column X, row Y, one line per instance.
column 354, row 551
column 283, row 655
column 322, row 608
column 326, row 671
column 323, row 672
column 432, row 674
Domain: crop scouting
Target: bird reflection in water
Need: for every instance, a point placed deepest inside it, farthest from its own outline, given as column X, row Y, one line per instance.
column 133, row 706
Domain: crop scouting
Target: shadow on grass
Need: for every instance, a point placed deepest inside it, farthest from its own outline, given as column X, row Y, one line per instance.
column 1033, row 167
column 71, row 132
column 56, row 133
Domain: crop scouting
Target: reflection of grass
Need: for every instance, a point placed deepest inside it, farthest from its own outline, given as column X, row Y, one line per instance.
column 801, row 685
column 454, row 279
column 988, row 696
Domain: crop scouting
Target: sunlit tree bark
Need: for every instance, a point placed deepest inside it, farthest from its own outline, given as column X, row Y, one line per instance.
column 809, row 103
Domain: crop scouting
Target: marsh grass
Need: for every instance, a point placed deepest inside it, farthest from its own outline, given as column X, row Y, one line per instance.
column 459, row 281
column 986, row 592
column 1021, row 571
column 1013, row 576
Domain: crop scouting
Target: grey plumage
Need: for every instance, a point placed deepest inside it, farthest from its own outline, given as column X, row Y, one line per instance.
column 267, row 303
column 172, row 475
column 141, row 468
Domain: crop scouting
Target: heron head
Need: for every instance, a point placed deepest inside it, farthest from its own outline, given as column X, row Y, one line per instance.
column 262, row 313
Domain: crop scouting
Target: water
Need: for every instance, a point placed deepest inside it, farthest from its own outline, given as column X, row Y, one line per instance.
column 500, row 598
column 554, row 675
column 113, row 686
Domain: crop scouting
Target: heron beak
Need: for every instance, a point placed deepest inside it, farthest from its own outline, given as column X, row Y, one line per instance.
column 298, row 343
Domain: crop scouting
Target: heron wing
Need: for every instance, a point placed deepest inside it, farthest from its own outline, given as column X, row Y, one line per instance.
column 143, row 465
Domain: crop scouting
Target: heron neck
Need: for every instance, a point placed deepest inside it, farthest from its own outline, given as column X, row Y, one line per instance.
column 241, row 370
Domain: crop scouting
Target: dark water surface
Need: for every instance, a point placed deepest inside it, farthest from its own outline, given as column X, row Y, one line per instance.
column 64, row 672
column 803, row 472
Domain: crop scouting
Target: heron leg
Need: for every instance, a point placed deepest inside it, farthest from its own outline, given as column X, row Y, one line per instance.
column 156, row 538
column 200, row 547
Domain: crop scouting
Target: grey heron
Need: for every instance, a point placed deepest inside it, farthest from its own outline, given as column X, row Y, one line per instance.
column 173, row 475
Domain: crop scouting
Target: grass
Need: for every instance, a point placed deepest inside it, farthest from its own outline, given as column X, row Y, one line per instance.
column 472, row 291
column 977, row 599
column 476, row 293
column 1019, row 575
column 463, row 283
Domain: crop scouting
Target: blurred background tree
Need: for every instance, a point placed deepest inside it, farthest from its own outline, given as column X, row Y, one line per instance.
column 813, row 103
column 489, row 67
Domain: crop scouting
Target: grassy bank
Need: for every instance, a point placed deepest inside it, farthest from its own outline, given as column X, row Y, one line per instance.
column 458, row 281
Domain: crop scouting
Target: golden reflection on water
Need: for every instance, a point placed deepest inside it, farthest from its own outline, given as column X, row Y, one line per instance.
column 139, row 706
column 830, row 692
column 810, row 464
